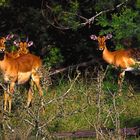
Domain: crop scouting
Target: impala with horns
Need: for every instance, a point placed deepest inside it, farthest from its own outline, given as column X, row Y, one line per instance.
column 23, row 47
column 127, row 59
column 19, row 70
column 3, row 40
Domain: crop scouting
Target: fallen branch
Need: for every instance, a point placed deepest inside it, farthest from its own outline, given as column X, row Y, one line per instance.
column 133, row 131
column 84, row 64
column 76, row 134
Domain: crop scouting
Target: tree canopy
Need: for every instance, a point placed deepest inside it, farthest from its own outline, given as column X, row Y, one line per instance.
column 61, row 29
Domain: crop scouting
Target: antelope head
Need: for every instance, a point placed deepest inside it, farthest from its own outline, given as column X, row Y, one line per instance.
column 3, row 40
column 23, row 45
column 3, row 46
column 101, row 40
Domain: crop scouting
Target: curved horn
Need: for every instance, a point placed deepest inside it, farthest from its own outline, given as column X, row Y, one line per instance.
column 9, row 36
column 27, row 39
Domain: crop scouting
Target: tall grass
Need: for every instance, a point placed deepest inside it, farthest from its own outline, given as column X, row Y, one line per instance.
column 78, row 102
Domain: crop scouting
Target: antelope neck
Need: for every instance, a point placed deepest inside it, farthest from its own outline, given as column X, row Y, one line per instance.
column 107, row 56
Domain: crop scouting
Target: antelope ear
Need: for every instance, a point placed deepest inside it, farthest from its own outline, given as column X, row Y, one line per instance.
column 93, row 37
column 9, row 36
column 30, row 43
column 16, row 43
column 108, row 36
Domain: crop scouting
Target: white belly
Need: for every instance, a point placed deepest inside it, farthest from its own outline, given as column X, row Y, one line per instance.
column 23, row 77
column 130, row 69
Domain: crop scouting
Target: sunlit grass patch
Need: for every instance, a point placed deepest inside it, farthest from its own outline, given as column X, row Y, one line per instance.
column 76, row 104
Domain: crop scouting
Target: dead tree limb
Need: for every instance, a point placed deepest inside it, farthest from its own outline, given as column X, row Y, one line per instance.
column 84, row 64
column 133, row 131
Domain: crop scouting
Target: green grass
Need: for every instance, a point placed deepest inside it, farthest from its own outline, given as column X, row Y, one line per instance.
column 78, row 109
column 73, row 106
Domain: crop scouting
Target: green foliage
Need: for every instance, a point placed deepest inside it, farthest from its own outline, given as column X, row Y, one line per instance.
column 110, row 86
column 82, row 93
column 4, row 2
column 68, row 19
column 66, row 16
column 138, row 4
column 105, row 4
column 110, row 83
column 122, row 25
column 13, row 48
column 53, row 58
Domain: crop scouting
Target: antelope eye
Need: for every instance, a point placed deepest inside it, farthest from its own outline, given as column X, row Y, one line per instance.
column 29, row 43
column 2, row 41
column 5, row 43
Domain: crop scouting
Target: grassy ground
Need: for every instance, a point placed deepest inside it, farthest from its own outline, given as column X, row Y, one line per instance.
column 78, row 103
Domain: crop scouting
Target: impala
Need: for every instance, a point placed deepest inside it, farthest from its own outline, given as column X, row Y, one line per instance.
column 22, row 47
column 127, row 59
column 19, row 70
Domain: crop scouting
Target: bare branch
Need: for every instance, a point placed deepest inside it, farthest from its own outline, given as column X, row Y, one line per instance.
column 55, row 23
column 9, row 127
column 83, row 64
column 63, row 95
column 57, row 26
column 71, row 86
column 29, row 122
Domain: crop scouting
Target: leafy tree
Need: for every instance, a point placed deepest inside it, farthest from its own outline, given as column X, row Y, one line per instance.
column 67, row 25
column 122, row 25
